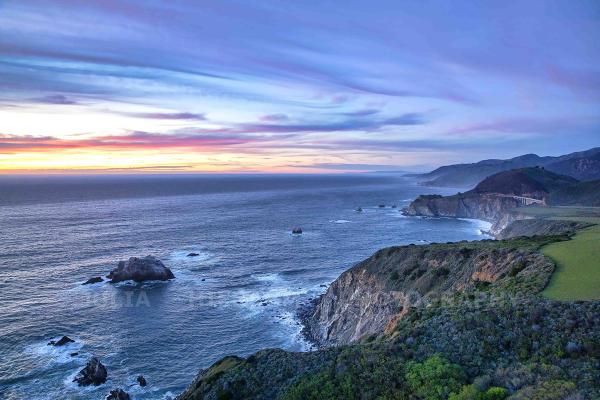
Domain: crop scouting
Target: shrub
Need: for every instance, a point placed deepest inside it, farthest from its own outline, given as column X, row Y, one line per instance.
column 471, row 392
column 518, row 267
column 434, row 379
column 495, row 393
column 443, row 271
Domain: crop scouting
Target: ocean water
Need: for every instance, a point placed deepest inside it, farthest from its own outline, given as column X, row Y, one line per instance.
column 241, row 293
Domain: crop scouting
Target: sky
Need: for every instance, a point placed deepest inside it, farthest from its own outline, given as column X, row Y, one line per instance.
column 293, row 86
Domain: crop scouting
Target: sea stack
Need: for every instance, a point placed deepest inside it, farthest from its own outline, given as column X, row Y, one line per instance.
column 140, row 269
column 94, row 373
column 96, row 279
column 142, row 381
column 118, row 394
column 61, row 342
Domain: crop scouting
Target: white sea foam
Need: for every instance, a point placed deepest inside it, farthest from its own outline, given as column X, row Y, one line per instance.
column 396, row 215
column 481, row 227
column 57, row 354
column 340, row 221
column 267, row 277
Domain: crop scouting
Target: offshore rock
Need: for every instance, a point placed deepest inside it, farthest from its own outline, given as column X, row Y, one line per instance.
column 118, row 394
column 93, row 280
column 140, row 269
column 61, row 342
column 94, row 373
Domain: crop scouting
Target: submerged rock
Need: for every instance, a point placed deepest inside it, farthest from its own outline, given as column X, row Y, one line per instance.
column 193, row 255
column 94, row 373
column 118, row 394
column 297, row 231
column 140, row 269
column 142, row 381
column 95, row 279
column 382, row 206
column 61, row 342
column 359, row 209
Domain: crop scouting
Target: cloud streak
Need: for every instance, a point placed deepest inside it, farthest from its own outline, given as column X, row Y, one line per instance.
column 10, row 144
column 185, row 116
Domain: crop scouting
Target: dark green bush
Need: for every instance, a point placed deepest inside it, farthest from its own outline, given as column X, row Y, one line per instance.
column 434, row 379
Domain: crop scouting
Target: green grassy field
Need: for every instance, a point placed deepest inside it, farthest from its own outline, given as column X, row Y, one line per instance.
column 577, row 276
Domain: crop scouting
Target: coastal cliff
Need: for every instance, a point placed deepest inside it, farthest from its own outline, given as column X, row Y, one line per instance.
column 487, row 207
column 470, row 310
column 370, row 297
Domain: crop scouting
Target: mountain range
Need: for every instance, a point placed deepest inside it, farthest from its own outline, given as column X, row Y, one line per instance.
column 582, row 165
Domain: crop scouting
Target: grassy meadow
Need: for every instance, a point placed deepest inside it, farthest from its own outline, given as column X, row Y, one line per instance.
column 577, row 276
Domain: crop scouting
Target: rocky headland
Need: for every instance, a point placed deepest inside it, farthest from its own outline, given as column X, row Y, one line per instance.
column 471, row 310
column 497, row 199
column 372, row 295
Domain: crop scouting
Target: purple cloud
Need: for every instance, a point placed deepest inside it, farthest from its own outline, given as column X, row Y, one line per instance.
column 168, row 116
column 274, row 118
column 57, row 99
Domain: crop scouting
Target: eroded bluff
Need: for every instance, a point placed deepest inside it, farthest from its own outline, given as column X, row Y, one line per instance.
column 373, row 295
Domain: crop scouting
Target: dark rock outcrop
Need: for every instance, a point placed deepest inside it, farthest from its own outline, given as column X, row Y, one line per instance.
column 297, row 231
column 118, row 394
column 61, row 342
column 94, row 373
column 142, row 381
column 193, row 255
column 140, row 269
column 93, row 280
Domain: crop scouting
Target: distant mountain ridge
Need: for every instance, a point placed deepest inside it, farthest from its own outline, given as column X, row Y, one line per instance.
column 582, row 165
column 536, row 182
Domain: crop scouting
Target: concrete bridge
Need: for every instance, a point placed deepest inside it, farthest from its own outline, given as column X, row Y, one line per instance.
column 523, row 201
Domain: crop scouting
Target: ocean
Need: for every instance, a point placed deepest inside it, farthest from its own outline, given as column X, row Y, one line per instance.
column 240, row 295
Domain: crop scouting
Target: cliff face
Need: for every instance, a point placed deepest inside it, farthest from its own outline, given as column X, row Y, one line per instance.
column 373, row 295
column 486, row 207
